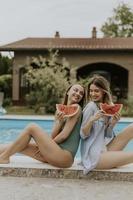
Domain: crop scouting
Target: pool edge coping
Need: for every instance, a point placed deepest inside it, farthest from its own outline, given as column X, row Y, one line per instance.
column 28, row 167
column 48, row 117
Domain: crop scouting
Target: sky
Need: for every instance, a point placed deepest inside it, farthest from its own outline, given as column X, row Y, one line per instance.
column 20, row 19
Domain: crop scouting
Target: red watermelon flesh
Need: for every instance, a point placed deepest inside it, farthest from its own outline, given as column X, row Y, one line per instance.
column 111, row 109
column 68, row 110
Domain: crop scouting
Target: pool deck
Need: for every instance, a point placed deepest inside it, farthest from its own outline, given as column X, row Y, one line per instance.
column 23, row 166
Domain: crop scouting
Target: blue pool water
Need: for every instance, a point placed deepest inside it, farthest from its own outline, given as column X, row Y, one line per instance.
column 11, row 128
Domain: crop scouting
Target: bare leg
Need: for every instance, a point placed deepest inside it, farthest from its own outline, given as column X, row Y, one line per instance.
column 21, row 143
column 121, row 140
column 115, row 157
column 51, row 152
column 112, row 159
column 31, row 150
column 3, row 147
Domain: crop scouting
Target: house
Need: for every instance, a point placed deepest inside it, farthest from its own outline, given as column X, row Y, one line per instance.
column 110, row 57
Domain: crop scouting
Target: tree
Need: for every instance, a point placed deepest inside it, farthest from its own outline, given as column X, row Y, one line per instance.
column 6, row 84
column 120, row 24
column 6, row 78
column 5, row 65
column 48, row 79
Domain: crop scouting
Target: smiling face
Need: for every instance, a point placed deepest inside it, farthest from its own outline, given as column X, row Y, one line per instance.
column 75, row 94
column 96, row 94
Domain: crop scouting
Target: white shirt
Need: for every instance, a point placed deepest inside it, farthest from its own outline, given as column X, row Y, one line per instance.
column 93, row 144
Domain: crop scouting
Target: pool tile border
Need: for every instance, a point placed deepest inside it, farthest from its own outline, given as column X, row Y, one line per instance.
column 48, row 117
column 66, row 174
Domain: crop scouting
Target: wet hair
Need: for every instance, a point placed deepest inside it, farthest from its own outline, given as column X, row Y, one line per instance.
column 102, row 83
column 81, row 103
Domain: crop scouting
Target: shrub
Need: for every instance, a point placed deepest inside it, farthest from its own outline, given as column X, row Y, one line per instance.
column 6, row 84
column 7, row 102
column 48, row 79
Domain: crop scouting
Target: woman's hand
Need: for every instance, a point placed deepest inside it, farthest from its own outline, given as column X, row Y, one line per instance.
column 87, row 127
column 97, row 115
column 115, row 119
column 59, row 116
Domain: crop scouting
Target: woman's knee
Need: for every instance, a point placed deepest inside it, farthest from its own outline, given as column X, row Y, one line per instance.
column 32, row 127
column 129, row 128
column 127, row 133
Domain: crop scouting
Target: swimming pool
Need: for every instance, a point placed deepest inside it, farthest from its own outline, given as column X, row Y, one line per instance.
column 11, row 128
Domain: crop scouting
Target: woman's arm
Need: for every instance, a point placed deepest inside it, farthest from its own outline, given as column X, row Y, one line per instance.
column 69, row 125
column 56, row 128
column 112, row 122
column 87, row 127
column 90, row 115
column 59, row 121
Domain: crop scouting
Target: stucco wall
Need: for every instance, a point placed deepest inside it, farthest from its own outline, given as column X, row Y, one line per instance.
column 78, row 59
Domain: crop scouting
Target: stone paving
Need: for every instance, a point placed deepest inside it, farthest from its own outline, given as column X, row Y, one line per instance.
column 31, row 188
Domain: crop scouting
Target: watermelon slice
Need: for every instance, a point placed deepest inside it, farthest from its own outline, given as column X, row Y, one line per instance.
column 68, row 110
column 111, row 109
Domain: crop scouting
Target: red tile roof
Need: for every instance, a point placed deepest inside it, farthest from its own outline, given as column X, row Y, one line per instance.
column 70, row 44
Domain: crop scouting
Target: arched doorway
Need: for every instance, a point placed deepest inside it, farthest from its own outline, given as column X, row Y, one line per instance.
column 117, row 76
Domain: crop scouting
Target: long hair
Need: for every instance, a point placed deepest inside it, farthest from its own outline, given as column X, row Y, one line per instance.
column 102, row 83
column 65, row 100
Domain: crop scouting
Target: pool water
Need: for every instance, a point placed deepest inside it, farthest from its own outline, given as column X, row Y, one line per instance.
column 119, row 127
column 11, row 128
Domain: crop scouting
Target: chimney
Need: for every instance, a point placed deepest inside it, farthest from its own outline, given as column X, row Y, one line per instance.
column 57, row 34
column 94, row 32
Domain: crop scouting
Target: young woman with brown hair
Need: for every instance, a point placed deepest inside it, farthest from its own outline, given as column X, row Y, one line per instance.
column 59, row 149
column 100, row 148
